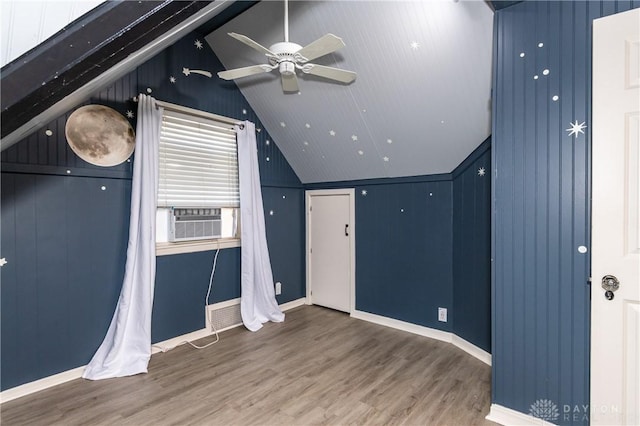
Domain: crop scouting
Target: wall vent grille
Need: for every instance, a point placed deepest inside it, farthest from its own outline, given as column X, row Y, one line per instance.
column 225, row 317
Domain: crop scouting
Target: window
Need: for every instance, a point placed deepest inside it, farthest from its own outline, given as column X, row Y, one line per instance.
column 198, row 191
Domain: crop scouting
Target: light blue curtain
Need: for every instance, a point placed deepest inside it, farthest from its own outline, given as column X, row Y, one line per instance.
column 126, row 348
column 258, row 300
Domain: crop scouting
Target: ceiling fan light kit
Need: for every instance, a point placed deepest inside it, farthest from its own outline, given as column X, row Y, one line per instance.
column 289, row 57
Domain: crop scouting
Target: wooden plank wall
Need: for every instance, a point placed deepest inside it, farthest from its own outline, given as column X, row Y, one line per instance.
column 65, row 238
column 542, row 203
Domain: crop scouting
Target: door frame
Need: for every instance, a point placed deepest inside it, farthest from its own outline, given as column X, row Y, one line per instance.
column 350, row 192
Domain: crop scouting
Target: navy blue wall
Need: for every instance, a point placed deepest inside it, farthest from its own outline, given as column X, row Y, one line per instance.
column 181, row 286
column 541, row 183
column 285, row 222
column 404, row 251
column 472, row 248
column 65, row 238
column 424, row 242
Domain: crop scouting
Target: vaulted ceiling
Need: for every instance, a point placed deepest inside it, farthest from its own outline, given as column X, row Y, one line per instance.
column 421, row 100
column 420, row 103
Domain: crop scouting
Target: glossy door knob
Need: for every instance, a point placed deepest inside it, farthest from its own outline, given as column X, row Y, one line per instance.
column 610, row 283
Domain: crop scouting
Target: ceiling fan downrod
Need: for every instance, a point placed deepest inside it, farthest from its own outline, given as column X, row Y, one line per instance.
column 286, row 21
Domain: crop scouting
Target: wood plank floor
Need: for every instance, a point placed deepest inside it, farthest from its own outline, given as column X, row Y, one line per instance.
column 318, row 367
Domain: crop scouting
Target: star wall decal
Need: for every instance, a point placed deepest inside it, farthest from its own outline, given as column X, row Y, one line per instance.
column 3, row 261
column 172, row 79
column 576, row 128
column 332, row 133
column 354, row 138
column 198, row 44
column 481, row 171
column 386, row 159
column 364, row 192
column 129, row 114
column 187, row 72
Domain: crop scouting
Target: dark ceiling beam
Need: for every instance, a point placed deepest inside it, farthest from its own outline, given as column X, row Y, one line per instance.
column 81, row 52
column 501, row 4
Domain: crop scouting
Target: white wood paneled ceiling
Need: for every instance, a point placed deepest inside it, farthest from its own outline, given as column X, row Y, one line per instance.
column 420, row 104
column 25, row 24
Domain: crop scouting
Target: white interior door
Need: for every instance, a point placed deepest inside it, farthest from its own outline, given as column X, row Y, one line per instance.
column 615, row 325
column 330, row 242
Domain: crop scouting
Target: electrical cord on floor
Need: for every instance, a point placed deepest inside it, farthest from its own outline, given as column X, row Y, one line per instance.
column 206, row 305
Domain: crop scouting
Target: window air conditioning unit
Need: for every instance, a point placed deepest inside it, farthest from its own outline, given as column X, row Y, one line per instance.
column 187, row 224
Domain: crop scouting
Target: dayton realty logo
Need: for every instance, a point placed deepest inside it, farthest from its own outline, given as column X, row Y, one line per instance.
column 544, row 409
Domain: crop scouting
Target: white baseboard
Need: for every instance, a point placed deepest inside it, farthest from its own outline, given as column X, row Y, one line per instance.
column 471, row 349
column 41, row 384
column 225, row 304
column 284, row 306
column 169, row 344
column 402, row 325
column 76, row 373
column 199, row 334
column 507, row 416
column 432, row 333
column 293, row 304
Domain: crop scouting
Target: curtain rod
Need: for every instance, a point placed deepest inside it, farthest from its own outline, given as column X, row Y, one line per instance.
column 220, row 118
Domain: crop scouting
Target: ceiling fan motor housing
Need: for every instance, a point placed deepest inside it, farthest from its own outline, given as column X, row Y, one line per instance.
column 285, row 59
column 285, row 48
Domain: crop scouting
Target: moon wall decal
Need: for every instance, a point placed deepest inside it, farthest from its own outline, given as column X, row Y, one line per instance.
column 100, row 135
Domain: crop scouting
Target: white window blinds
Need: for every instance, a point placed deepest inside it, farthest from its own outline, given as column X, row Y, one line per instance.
column 198, row 162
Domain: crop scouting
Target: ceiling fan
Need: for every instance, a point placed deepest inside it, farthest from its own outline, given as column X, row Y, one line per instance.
column 289, row 57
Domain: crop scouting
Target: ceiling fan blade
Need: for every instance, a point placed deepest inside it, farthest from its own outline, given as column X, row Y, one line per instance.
column 253, row 44
column 326, row 44
column 331, row 73
column 243, row 72
column 290, row 83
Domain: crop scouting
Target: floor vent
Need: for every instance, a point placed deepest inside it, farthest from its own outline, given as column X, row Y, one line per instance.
column 226, row 316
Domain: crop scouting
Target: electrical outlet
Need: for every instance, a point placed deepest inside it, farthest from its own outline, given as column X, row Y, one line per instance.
column 442, row 314
column 278, row 288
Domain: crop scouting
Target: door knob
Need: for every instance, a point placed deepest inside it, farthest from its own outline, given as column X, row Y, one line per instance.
column 610, row 283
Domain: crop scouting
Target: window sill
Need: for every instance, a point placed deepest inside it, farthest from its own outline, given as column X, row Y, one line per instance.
column 164, row 249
